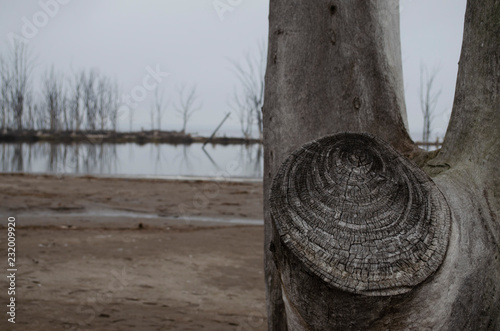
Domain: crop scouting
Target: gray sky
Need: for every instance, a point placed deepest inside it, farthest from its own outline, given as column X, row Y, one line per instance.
column 191, row 41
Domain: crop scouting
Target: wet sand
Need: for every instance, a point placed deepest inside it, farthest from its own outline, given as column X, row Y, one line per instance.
column 134, row 254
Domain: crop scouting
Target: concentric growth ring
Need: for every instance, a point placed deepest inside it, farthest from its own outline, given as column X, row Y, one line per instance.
column 360, row 215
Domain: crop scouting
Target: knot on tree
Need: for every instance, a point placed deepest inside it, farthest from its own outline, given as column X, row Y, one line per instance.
column 360, row 215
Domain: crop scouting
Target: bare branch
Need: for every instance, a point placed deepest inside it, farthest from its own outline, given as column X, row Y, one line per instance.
column 428, row 100
column 187, row 104
column 18, row 69
column 158, row 108
column 54, row 99
column 76, row 100
column 248, row 99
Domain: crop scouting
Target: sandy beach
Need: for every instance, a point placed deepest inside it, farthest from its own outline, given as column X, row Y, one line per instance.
column 134, row 254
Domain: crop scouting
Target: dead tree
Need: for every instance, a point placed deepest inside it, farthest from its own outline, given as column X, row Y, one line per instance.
column 103, row 107
column 159, row 107
column 54, row 100
column 187, row 104
column 248, row 99
column 246, row 117
column 4, row 93
column 19, row 66
column 75, row 100
column 90, row 101
column 114, row 104
column 364, row 230
column 428, row 101
column 32, row 110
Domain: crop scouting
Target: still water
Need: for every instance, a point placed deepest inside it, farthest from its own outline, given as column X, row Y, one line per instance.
column 149, row 160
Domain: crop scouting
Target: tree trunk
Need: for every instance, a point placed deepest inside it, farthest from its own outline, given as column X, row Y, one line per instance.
column 334, row 67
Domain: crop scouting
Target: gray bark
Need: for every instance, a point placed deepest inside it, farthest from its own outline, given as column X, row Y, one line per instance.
column 335, row 67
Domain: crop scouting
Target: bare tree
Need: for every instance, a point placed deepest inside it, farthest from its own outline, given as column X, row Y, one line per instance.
column 4, row 93
column 152, row 117
column 246, row 117
column 114, row 104
column 187, row 104
column 428, row 101
column 32, row 110
column 19, row 68
column 103, row 93
column 248, row 99
column 40, row 118
column 159, row 106
column 349, row 216
column 75, row 100
column 66, row 116
column 54, row 99
column 90, row 98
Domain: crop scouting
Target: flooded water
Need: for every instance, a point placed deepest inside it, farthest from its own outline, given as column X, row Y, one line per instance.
column 148, row 160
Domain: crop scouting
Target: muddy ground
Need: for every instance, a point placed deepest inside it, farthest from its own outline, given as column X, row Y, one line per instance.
column 133, row 254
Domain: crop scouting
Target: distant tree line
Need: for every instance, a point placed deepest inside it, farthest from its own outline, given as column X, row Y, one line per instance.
column 87, row 100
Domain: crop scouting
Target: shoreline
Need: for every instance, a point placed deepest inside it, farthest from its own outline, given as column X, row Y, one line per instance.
column 113, row 137
column 140, row 177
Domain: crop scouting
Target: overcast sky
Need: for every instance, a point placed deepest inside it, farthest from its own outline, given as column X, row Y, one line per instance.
column 192, row 42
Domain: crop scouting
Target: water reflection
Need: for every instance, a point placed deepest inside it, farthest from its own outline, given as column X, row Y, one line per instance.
column 133, row 159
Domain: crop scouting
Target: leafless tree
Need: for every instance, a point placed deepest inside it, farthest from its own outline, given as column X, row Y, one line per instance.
column 187, row 104
column 4, row 93
column 66, row 117
column 160, row 106
column 248, row 99
column 428, row 100
column 90, row 98
column 32, row 110
column 19, row 68
column 246, row 117
column 54, row 99
column 103, row 94
column 75, row 100
column 152, row 117
column 114, row 104
column 40, row 118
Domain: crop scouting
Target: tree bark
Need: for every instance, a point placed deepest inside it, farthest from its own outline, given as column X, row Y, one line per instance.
column 335, row 66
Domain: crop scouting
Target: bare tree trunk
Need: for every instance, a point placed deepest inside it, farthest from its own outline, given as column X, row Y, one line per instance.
column 428, row 101
column 159, row 106
column 20, row 67
column 248, row 98
column 64, row 110
column 335, row 67
column 55, row 99
column 187, row 104
column 78, row 80
column 90, row 99
column 30, row 118
column 4, row 93
column 104, row 89
column 152, row 117
column 114, row 103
